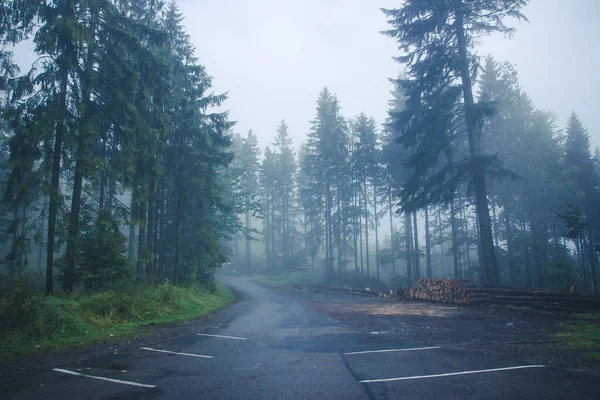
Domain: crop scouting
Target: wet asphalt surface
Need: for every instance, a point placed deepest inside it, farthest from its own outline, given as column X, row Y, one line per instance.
column 285, row 350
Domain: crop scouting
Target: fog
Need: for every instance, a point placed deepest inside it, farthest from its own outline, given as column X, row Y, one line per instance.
column 133, row 192
column 273, row 58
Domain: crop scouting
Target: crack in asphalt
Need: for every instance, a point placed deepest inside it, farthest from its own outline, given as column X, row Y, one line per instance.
column 365, row 386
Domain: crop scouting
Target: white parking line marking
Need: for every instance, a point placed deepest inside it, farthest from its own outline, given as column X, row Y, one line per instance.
column 221, row 336
column 480, row 371
column 392, row 350
column 101, row 378
column 176, row 352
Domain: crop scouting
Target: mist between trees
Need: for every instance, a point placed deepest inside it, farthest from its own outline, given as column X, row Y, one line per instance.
column 115, row 166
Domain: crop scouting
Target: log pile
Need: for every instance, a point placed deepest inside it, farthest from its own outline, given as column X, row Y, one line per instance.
column 453, row 291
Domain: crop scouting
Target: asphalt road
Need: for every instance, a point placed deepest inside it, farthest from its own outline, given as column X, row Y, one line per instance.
column 277, row 348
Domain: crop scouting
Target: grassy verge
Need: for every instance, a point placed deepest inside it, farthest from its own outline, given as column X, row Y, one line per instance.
column 317, row 277
column 302, row 277
column 35, row 324
column 582, row 333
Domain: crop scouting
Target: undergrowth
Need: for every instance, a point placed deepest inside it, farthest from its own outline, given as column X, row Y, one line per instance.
column 32, row 323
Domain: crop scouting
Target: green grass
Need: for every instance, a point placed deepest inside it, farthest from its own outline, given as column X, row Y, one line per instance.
column 35, row 324
column 582, row 333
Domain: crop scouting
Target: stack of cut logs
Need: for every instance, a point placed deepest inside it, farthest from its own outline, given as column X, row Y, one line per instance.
column 454, row 291
column 460, row 291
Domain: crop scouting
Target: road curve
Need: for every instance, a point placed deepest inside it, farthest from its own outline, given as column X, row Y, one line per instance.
column 277, row 348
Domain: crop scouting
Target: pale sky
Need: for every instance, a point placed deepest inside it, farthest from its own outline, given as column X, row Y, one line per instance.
column 274, row 56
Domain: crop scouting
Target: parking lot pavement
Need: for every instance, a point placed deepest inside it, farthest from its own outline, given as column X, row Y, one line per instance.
column 277, row 348
column 429, row 372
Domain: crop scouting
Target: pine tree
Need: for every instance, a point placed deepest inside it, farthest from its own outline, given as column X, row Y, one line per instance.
column 579, row 159
column 367, row 168
column 285, row 188
column 250, row 162
column 321, row 163
column 443, row 31
column 268, row 183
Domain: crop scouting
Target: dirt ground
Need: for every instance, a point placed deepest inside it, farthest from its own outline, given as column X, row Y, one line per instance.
column 490, row 330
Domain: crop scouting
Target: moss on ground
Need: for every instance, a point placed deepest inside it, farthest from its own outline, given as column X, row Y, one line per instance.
column 582, row 333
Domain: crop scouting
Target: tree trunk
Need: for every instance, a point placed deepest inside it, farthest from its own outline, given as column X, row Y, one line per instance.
column 54, row 186
column 150, row 233
column 509, row 249
column 330, row 206
column 338, row 231
column 23, row 243
column 179, row 191
column 366, row 227
column 360, row 233
column 392, row 230
column 248, row 239
column 416, row 248
column 237, row 246
column 162, row 236
column 284, row 227
column 266, row 233
column 345, row 224
column 463, row 215
column 80, row 158
column 156, row 240
column 305, row 239
column 73, row 229
column 537, row 255
column 409, row 252
column 102, row 199
column 376, row 229
column 479, row 253
column 273, row 242
column 178, row 212
column 481, row 201
column 267, row 229
column 494, row 222
column 584, row 280
column 355, row 235
column 112, row 179
column 524, row 229
column 592, row 256
column 141, row 259
column 132, row 216
column 41, row 245
column 327, row 234
column 427, row 244
column 440, row 235
column 454, row 241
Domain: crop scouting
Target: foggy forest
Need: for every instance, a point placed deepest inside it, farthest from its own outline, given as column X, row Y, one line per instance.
column 122, row 171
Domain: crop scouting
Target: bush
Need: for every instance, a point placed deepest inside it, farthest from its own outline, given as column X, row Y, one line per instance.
column 102, row 254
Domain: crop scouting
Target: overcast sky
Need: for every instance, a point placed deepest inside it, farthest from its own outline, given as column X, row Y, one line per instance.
column 274, row 56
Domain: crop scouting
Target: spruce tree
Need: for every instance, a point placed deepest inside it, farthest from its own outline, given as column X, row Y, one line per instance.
column 250, row 161
column 437, row 38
